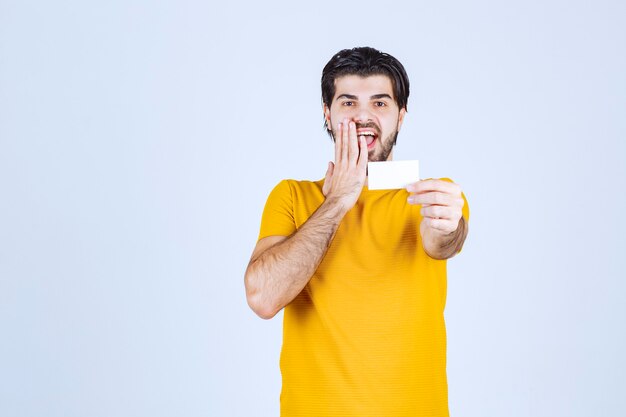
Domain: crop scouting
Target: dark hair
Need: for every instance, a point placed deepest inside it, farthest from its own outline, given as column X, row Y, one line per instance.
column 365, row 61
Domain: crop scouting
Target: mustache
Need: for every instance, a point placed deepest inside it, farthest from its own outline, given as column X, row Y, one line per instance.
column 369, row 125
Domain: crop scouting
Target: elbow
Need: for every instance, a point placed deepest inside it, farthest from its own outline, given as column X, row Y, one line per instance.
column 257, row 302
column 265, row 314
column 263, row 311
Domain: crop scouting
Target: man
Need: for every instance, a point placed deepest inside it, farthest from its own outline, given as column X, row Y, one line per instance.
column 360, row 273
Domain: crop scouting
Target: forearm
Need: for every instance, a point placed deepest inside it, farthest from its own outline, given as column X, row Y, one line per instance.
column 444, row 246
column 280, row 273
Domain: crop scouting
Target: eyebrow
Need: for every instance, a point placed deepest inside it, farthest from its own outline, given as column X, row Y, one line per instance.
column 374, row 97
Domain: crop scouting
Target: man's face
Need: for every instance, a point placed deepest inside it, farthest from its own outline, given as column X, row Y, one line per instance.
column 369, row 102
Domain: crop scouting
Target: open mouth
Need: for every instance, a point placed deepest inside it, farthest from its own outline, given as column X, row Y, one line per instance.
column 370, row 137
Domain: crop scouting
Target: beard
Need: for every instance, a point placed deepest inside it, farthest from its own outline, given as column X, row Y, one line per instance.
column 387, row 146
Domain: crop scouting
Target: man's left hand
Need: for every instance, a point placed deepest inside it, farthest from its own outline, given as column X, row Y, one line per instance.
column 442, row 205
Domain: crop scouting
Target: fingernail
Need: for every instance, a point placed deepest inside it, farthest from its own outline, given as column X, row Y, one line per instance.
column 411, row 200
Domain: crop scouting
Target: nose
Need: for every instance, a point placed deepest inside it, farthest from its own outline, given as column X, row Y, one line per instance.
column 362, row 115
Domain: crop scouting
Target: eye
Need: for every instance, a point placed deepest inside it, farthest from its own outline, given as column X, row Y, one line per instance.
column 348, row 103
column 380, row 104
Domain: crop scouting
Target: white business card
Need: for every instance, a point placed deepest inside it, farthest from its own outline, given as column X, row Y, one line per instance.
column 392, row 174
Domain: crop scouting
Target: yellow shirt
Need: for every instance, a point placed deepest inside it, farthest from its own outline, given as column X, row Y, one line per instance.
column 366, row 336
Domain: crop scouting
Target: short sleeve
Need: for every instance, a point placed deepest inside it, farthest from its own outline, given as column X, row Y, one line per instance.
column 278, row 217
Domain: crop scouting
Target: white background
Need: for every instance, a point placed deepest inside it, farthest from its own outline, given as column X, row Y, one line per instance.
column 139, row 141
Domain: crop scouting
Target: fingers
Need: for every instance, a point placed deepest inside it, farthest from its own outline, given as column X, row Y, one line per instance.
column 435, row 197
column 328, row 178
column 439, row 199
column 442, row 225
column 353, row 144
column 434, row 185
column 338, row 143
column 345, row 178
column 344, row 141
column 329, row 171
column 347, row 146
column 363, row 154
column 440, row 212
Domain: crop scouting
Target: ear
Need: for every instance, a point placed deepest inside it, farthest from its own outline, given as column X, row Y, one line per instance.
column 401, row 117
column 326, row 111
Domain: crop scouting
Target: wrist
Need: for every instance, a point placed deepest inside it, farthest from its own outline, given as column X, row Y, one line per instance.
column 338, row 206
column 440, row 244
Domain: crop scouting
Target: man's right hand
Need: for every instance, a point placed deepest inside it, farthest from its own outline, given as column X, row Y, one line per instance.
column 346, row 177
